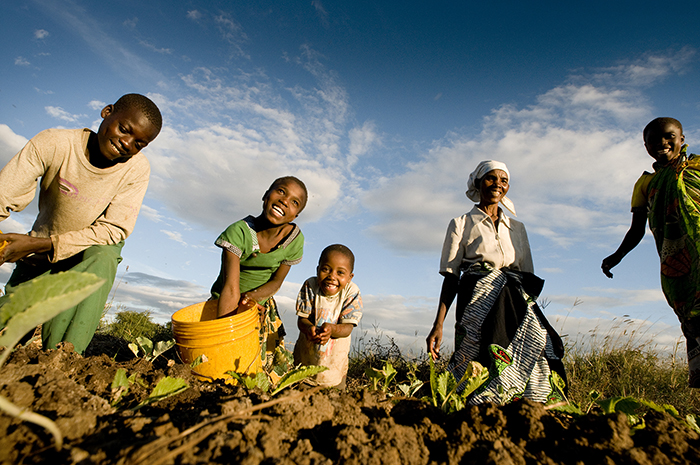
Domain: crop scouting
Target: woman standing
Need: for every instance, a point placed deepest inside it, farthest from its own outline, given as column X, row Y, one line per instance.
column 487, row 264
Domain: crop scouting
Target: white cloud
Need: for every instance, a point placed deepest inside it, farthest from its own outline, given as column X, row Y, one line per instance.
column 60, row 113
column 232, row 32
column 41, row 34
column 10, row 143
column 574, row 156
column 151, row 213
column 153, row 48
column 223, row 147
column 96, row 105
column 174, row 235
column 21, row 61
column 194, row 15
column 362, row 139
column 321, row 12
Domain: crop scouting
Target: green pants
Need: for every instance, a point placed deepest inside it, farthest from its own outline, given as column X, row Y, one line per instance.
column 76, row 324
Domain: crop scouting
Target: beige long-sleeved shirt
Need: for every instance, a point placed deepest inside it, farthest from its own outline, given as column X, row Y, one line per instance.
column 79, row 205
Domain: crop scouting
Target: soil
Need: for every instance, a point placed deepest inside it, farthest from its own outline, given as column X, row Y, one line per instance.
column 219, row 423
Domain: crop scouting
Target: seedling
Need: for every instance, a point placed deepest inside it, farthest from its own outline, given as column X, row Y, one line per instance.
column 382, row 377
column 290, row 375
column 144, row 346
column 32, row 304
column 165, row 388
column 444, row 386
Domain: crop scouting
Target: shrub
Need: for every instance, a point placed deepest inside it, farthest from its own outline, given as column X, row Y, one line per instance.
column 129, row 325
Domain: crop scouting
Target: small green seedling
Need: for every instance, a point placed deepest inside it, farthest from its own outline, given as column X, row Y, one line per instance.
column 147, row 350
column 444, row 386
column 165, row 388
column 382, row 377
column 290, row 375
column 32, row 304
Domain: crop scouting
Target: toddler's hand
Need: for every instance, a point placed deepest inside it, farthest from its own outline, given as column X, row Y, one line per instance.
column 323, row 333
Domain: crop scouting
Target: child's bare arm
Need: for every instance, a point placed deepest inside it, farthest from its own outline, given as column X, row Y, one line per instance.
column 307, row 327
column 231, row 291
column 633, row 237
column 269, row 289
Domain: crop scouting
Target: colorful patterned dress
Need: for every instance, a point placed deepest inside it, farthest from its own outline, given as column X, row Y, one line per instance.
column 674, row 220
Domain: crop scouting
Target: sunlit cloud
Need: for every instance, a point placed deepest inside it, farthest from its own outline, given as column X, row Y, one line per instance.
column 174, row 235
column 60, row 113
column 41, row 34
column 21, row 61
column 554, row 150
column 96, row 105
column 10, row 143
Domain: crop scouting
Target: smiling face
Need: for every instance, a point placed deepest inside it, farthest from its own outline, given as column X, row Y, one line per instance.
column 123, row 134
column 283, row 202
column 333, row 272
column 664, row 141
column 493, row 186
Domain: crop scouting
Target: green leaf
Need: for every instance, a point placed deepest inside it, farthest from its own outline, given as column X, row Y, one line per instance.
column 163, row 346
column 445, row 383
column 199, row 360
column 146, row 346
column 433, row 382
column 134, row 348
column 296, row 375
column 165, row 388
column 120, row 379
column 49, row 290
column 692, row 421
column 120, row 386
column 474, row 376
column 37, row 301
column 627, row 405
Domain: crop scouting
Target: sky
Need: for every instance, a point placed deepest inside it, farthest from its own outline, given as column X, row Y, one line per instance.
column 382, row 109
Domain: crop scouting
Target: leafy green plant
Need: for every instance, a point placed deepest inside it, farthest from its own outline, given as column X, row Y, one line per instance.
column 165, row 388
column 444, row 386
column 34, row 303
column 381, row 378
column 145, row 348
column 290, row 374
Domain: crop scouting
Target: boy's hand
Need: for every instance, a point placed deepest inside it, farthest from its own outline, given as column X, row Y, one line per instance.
column 608, row 264
column 20, row 245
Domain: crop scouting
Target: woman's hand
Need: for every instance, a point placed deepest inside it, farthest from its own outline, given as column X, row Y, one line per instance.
column 434, row 341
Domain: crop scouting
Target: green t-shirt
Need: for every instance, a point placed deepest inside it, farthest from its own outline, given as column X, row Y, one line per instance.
column 257, row 268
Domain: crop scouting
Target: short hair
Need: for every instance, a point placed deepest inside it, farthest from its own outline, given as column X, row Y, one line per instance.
column 659, row 121
column 340, row 248
column 144, row 105
column 295, row 180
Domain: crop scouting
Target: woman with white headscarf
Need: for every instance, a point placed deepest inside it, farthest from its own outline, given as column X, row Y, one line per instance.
column 486, row 263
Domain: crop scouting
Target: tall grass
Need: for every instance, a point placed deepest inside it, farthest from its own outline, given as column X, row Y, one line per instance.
column 625, row 361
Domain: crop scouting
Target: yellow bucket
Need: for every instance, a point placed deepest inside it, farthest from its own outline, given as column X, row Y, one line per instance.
column 229, row 344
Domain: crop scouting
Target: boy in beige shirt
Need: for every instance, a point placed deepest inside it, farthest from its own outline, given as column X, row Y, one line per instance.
column 92, row 186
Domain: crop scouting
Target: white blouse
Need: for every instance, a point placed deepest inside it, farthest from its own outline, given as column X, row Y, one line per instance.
column 473, row 238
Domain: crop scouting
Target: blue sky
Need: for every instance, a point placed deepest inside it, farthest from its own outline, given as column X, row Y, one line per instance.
column 383, row 109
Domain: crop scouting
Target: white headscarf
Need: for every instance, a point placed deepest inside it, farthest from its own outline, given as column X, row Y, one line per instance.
column 481, row 169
